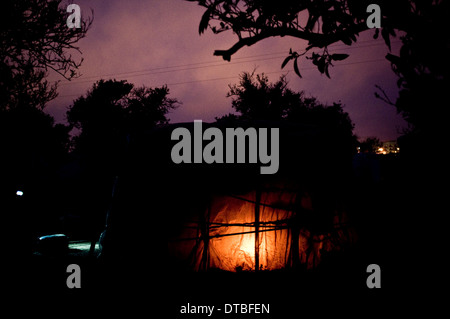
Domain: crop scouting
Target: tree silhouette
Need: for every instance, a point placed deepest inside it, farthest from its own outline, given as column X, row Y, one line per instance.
column 423, row 69
column 34, row 39
column 32, row 149
column 110, row 117
column 31, row 143
column 255, row 98
column 24, row 88
column 422, row 65
column 320, row 23
column 111, row 113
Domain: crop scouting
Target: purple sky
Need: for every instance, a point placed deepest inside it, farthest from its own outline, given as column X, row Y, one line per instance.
column 154, row 43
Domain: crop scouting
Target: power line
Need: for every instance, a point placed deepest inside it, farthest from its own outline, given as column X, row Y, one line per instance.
column 202, row 65
column 234, row 77
column 272, row 72
column 151, row 71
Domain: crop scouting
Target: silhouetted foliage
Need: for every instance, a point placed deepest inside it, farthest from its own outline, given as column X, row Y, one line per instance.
column 320, row 23
column 112, row 118
column 111, row 113
column 32, row 149
column 24, row 88
column 34, row 39
column 423, row 68
column 255, row 98
column 30, row 139
column 422, row 65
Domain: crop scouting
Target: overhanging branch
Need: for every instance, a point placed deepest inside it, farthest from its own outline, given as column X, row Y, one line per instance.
column 318, row 40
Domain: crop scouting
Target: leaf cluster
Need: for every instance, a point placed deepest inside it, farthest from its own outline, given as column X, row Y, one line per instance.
column 320, row 23
column 422, row 66
column 255, row 98
column 112, row 111
column 322, row 61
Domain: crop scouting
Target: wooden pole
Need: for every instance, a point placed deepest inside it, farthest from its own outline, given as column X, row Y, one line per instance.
column 257, row 202
column 205, row 235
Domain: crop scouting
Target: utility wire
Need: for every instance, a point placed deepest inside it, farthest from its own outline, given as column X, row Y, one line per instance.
column 272, row 72
column 202, row 65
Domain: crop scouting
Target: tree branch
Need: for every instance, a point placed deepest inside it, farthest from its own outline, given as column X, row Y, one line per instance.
column 319, row 40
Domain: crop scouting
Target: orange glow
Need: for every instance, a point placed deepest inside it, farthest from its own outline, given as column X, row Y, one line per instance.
column 234, row 253
column 231, row 241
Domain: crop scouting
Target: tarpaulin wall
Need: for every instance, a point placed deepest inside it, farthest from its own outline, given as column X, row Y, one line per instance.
column 265, row 225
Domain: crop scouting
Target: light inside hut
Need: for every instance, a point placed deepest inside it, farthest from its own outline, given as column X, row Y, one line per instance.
column 237, row 251
column 231, row 224
column 247, row 245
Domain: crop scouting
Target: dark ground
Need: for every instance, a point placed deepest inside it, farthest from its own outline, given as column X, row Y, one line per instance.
column 385, row 215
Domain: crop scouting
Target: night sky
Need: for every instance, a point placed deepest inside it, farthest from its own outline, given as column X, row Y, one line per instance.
column 154, row 43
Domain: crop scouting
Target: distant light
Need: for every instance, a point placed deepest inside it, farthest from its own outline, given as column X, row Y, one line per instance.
column 19, row 193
